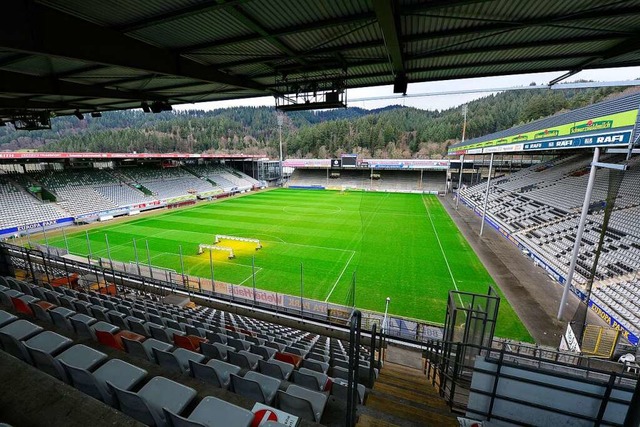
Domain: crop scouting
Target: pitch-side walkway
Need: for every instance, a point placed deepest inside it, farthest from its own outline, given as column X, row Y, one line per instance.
column 531, row 293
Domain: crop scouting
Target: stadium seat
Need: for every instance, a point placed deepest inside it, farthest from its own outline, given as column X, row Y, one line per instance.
column 12, row 335
column 302, row 402
column 147, row 404
column 311, row 379
column 81, row 324
column 188, row 342
column 255, row 386
column 178, row 360
column 43, row 347
column 79, row 356
column 212, row 411
column 144, row 349
column 276, row 369
column 244, row 359
column 117, row 372
column 61, row 317
column 294, row 359
column 6, row 318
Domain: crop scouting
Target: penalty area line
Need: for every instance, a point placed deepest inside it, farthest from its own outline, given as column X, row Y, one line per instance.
column 340, row 276
column 258, row 270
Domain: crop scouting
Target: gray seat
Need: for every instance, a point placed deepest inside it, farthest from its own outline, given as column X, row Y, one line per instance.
column 12, row 335
column 82, row 325
column 82, row 306
column 145, row 348
column 137, row 325
column 215, row 350
column 99, row 312
column 223, row 371
column 61, row 317
column 216, row 337
column 339, row 389
column 117, row 372
column 310, row 379
column 261, row 350
column 39, row 312
column 316, row 365
column 79, row 356
column 276, row 368
column 258, row 387
column 339, row 372
column 178, row 360
column 302, row 402
column 67, row 301
column 6, row 318
column 212, row 411
column 118, row 319
column 147, row 404
column 238, row 344
column 43, row 347
column 244, row 359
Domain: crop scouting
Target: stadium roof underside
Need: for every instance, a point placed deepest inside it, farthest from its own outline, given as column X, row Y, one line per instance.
column 41, row 157
column 605, row 124
column 65, row 56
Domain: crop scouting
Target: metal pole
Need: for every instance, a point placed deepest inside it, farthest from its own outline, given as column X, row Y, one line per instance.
column 384, row 321
column 280, row 120
column 253, row 277
column 106, row 239
column 182, row 267
column 301, row 289
column 149, row 259
column 464, row 122
column 446, row 181
column 213, row 282
column 486, row 195
column 46, row 240
column 459, row 180
column 29, row 239
column 583, row 220
column 66, row 244
column 86, row 233
column 135, row 250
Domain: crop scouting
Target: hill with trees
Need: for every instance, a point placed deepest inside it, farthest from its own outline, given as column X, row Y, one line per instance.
column 394, row 131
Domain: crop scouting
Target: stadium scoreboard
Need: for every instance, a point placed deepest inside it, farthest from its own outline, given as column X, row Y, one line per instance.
column 349, row 160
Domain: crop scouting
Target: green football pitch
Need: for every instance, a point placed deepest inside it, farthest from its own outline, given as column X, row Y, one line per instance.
column 403, row 246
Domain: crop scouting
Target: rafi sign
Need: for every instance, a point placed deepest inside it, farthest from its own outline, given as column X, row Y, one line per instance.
column 617, row 138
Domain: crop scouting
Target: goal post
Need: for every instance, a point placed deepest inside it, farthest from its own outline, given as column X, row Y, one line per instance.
column 202, row 247
column 220, row 237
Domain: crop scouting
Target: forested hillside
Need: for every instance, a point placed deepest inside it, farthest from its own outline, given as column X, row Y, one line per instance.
column 393, row 131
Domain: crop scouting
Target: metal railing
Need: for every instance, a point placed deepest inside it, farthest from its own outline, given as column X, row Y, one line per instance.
column 355, row 324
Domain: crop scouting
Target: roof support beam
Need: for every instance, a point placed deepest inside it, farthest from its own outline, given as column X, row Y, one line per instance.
column 34, row 28
column 389, row 22
column 314, row 26
column 626, row 46
column 174, row 15
column 17, row 83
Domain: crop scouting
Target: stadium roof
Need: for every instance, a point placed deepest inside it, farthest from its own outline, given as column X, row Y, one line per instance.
column 616, row 119
column 30, row 156
column 92, row 55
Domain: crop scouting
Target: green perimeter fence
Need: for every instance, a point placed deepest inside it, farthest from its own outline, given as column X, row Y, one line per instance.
column 49, row 263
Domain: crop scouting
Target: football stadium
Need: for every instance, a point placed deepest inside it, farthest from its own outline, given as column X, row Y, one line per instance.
column 494, row 285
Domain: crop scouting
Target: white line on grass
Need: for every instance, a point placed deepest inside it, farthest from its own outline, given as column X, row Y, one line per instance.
column 441, row 249
column 340, row 277
column 258, row 270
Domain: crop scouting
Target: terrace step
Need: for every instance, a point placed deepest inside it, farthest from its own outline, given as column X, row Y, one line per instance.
column 402, row 396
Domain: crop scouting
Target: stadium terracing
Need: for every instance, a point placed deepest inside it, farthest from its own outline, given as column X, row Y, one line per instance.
column 563, row 190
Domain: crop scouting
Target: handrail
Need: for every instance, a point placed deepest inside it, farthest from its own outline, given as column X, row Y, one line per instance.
column 355, row 323
column 372, row 356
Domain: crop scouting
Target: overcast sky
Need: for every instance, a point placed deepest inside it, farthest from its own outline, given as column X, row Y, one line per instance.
column 441, row 101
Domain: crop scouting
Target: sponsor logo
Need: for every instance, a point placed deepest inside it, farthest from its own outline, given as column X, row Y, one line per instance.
column 591, row 126
column 546, row 134
column 36, row 225
column 519, row 138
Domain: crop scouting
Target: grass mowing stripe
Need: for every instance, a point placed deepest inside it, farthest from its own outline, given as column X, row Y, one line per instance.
column 385, row 237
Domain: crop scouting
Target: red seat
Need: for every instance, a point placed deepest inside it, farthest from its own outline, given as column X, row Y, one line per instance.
column 294, row 359
column 189, row 342
column 21, row 306
column 115, row 340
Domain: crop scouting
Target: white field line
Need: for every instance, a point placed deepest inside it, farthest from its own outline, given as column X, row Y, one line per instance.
column 435, row 231
column 340, row 276
column 258, row 270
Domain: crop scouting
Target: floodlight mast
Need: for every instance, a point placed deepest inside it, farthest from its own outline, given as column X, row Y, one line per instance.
column 280, row 117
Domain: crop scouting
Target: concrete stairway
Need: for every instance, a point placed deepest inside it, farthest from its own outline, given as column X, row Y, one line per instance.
column 402, row 396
